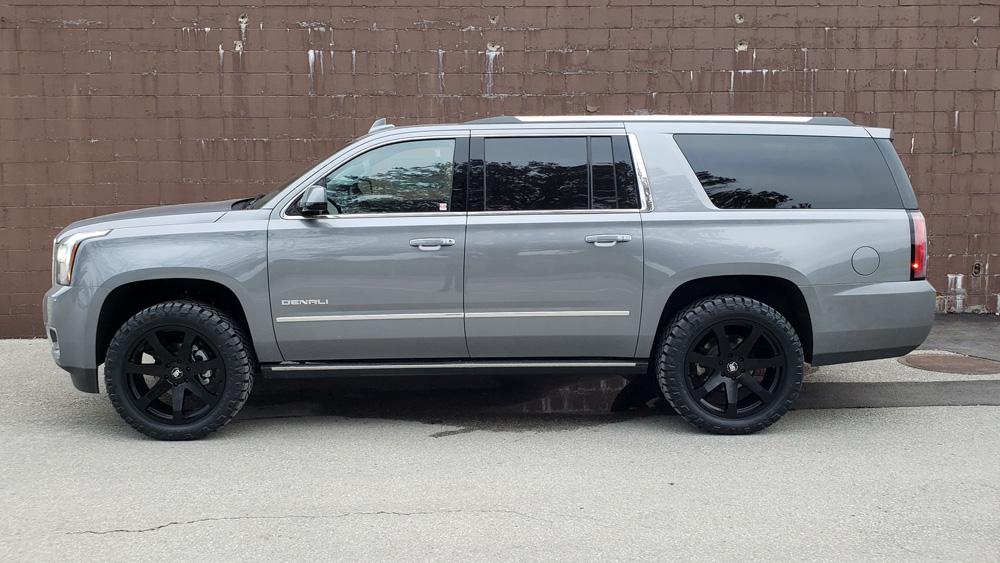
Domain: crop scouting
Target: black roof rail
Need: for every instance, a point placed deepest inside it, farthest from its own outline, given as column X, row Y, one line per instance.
column 500, row 119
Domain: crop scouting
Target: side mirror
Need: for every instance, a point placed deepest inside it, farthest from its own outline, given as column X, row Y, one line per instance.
column 314, row 202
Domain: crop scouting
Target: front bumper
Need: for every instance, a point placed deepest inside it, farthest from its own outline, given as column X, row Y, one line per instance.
column 70, row 325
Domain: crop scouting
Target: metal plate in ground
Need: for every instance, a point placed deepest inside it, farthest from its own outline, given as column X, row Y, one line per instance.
column 950, row 363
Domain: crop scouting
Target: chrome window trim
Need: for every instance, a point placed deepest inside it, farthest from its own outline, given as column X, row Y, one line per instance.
column 468, row 365
column 374, row 215
column 554, row 212
column 645, row 193
column 391, row 137
column 520, row 130
column 645, row 197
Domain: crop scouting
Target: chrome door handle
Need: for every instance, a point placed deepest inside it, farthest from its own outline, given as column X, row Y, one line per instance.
column 432, row 243
column 607, row 240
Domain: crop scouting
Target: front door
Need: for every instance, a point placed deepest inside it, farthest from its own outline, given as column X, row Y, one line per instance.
column 380, row 277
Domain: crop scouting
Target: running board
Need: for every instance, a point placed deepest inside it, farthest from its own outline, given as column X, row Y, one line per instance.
column 290, row 370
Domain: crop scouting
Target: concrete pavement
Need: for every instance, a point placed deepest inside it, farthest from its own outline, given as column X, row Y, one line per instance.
column 449, row 471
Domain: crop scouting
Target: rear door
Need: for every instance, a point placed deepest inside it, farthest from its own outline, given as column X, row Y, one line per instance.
column 380, row 276
column 553, row 247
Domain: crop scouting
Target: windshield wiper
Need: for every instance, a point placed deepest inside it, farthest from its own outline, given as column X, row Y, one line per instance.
column 247, row 203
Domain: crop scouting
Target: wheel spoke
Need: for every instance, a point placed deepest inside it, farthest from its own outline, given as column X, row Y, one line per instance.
column 752, row 364
column 750, row 383
column 202, row 367
column 184, row 354
column 709, row 362
column 178, row 403
column 708, row 387
column 732, row 396
column 199, row 391
column 720, row 335
column 159, row 388
column 155, row 370
column 159, row 352
column 744, row 348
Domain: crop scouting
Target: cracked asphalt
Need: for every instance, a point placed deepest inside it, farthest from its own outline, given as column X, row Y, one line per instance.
column 880, row 461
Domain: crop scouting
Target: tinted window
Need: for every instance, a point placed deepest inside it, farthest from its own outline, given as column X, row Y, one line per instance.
column 628, row 190
column 786, row 172
column 414, row 176
column 536, row 173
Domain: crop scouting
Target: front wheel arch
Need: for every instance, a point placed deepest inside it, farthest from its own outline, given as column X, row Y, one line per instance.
column 128, row 299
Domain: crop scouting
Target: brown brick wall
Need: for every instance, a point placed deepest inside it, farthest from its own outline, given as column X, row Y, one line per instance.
column 108, row 105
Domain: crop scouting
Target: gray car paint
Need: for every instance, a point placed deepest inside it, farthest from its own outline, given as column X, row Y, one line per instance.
column 360, row 268
column 682, row 238
column 541, row 263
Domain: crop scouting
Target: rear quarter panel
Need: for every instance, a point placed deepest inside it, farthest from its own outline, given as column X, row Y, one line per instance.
column 686, row 238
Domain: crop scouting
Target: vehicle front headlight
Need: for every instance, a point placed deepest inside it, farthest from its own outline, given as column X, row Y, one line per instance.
column 64, row 252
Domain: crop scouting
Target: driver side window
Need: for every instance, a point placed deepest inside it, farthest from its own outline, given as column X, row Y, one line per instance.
column 407, row 177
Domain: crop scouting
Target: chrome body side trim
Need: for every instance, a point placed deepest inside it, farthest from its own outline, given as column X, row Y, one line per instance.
column 530, row 314
column 387, row 317
column 421, row 316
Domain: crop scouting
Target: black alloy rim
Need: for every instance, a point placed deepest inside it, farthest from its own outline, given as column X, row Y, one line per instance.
column 735, row 368
column 174, row 375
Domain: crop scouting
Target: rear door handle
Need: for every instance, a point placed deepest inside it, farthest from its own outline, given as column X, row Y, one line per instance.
column 607, row 240
column 432, row 243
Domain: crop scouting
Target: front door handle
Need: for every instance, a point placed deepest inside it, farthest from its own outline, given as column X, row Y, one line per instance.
column 432, row 243
column 607, row 240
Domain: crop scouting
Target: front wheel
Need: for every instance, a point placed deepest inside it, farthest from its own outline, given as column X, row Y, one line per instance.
column 179, row 370
column 730, row 364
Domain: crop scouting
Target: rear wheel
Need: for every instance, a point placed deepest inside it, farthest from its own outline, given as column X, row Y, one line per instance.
column 179, row 370
column 730, row 364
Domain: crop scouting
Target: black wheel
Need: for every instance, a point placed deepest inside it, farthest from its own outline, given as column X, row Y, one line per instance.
column 730, row 364
column 179, row 370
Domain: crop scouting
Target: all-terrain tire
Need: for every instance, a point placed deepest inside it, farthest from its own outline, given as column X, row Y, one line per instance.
column 179, row 370
column 730, row 364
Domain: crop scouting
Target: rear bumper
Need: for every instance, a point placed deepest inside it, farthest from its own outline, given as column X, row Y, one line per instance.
column 66, row 312
column 867, row 322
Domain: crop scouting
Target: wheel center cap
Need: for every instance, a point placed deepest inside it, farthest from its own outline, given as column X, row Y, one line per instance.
column 176, row 373
column 732, row 367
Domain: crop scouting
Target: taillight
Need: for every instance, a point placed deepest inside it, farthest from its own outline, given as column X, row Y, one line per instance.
column 918, row 246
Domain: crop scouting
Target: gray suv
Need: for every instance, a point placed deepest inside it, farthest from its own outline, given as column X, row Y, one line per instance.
column 716, row 254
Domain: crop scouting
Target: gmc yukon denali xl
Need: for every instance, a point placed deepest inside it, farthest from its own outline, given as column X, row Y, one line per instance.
column 716, row 254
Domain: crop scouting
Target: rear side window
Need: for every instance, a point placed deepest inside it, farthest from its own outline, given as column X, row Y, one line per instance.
column 788, row 172
column 558, row 173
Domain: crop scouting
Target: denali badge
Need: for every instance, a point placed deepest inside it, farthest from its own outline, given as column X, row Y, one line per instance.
column 305, row 301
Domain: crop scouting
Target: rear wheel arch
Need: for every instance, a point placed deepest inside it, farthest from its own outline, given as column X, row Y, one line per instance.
column 128, row 299
column 781, row 294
